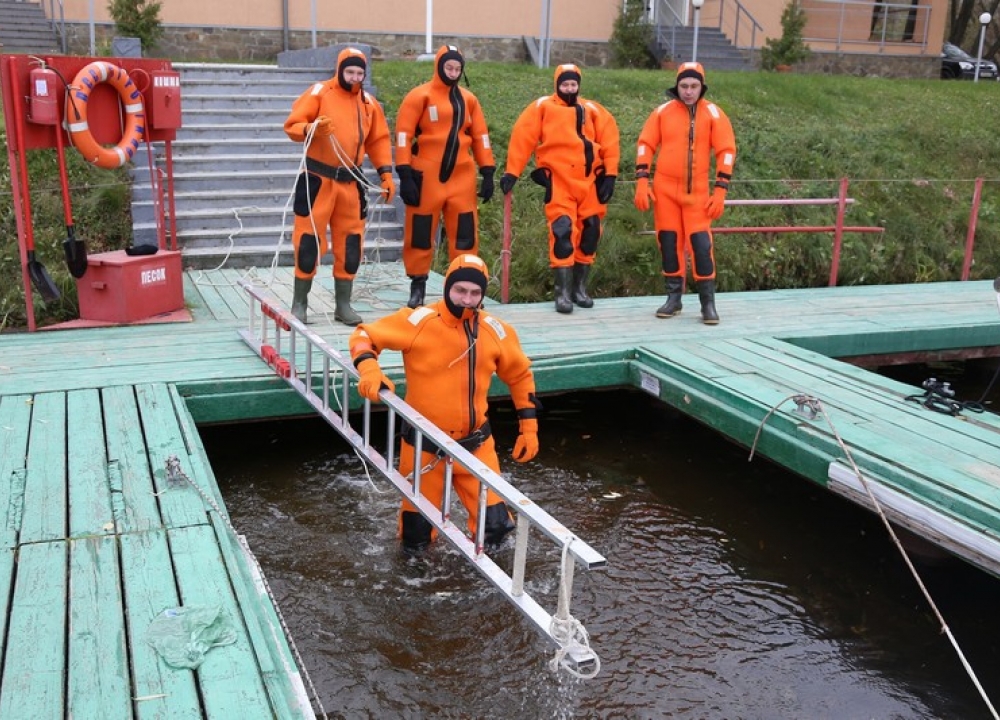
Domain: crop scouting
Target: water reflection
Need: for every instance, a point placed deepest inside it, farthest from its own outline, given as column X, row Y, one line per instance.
column 734, row 590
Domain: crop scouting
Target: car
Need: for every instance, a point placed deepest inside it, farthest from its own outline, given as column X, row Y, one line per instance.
column 956, row 64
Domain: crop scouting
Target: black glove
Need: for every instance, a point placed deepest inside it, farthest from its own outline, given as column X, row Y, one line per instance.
column 507, row 183
column 605, row 188
column 486, row 187
column 409, row 190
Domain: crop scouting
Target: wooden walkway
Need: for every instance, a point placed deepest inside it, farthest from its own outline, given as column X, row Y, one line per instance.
column 99, row 536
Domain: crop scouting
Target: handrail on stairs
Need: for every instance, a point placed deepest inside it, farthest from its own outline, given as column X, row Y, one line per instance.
column 326, row 379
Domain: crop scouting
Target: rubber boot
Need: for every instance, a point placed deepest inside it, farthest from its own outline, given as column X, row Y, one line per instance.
column 418, row 287
column 498, row 524
column 706, row 293
column 563, row 283
column 343, row 312
column 580, row 296
column 300, row 298
column 415, row 532
column 675, row 291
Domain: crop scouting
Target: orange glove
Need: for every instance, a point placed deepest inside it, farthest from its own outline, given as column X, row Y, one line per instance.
column 373, row 380
column 388, row 186
column 526, row 446
column 642, row 194
column 716, row 204
column 324, row 126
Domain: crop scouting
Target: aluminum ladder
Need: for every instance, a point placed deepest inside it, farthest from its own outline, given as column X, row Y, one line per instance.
column 325, row 378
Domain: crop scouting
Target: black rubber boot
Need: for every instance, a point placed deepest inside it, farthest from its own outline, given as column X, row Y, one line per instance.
column 418, row 287
column 343, row 312
column 706, row 293
column 498, row 524
column 300, row 298
column 580, row 296
column 416, row 532
column 675, row 291
column 563, row 283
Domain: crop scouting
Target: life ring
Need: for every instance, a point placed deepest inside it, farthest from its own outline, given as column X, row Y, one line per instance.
column 76, row 115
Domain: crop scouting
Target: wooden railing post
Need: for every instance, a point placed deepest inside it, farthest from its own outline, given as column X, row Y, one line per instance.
column 970, row 236
column 838, row 232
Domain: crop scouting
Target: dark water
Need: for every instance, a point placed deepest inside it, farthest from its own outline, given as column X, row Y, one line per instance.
column 734, row 589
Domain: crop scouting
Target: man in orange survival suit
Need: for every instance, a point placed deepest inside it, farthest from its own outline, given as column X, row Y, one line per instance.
column 575, row 143
column 451, row 350
column 437, row 126
column 340, row 122
column 686, row 130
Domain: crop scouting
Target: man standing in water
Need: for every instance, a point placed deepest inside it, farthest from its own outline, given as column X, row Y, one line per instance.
column 686, row 131
column 441, row 137
column 451, row 351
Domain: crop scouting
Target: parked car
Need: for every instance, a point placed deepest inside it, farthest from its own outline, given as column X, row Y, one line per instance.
column 956, row 64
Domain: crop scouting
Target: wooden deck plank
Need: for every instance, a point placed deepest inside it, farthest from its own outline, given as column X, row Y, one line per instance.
column 34, row 659
column 15, row 417
column 229, row 677
column 45, row 492
column 161, row 692
column 6, row 586
column 90, row 511
column 127, row 449
column 180, row 504
column 98, row 682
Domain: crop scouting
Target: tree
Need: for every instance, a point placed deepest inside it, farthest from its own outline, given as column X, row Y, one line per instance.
column 137, row 18
column 631, row 37
column 789, row 48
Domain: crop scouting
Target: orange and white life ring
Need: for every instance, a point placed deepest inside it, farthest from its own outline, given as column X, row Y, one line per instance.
column 76, row 115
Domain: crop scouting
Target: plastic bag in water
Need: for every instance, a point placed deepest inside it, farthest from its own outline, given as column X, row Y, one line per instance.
column 183, row 635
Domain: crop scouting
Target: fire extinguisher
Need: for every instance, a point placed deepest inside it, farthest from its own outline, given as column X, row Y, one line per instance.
column 43, row 103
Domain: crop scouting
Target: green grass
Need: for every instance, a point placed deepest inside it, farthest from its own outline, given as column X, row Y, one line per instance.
column 911, row 149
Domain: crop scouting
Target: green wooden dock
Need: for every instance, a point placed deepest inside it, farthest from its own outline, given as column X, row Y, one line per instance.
column 100, row 535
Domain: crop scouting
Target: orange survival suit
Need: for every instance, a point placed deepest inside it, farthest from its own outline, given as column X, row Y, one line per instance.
column 575, row 142
column 441, row 137
column 450, row 354
column 684, row 139
column 343, row 123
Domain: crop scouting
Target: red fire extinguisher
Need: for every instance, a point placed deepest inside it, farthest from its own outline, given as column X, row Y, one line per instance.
column 43, row 103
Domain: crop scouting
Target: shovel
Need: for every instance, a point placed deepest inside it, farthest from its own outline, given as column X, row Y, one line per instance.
column 36, row 271
column 76, row 250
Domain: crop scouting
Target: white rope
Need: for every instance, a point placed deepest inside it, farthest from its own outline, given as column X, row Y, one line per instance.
column 817, row 404
column 568, row 631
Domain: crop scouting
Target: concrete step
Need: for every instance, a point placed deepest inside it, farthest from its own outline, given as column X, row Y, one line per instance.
column 204, row 102
column 233, row 130
column 249, row 114
column 236, row 217
column 225, row 72
column 256, row 146
column 248, row 86
column 381, row 250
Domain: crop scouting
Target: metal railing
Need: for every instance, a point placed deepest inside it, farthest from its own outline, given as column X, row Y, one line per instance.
column 325, row 379
column 864, row 22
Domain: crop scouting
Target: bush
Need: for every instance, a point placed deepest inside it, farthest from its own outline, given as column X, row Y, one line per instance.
column 631, row 38
column 137, row 18
column 789, row 48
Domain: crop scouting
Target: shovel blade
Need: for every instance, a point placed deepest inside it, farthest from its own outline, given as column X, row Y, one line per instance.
column 42, row 281
column 76, row 257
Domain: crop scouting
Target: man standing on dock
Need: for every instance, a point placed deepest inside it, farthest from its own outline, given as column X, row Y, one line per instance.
column 686, row 131
column 451, row 351
column 339, row 122
column 441, row 137
column 575, row 142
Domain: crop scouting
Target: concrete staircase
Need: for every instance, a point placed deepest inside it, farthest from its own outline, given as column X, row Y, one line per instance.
column 235, row 169
column 25, row 29
column 715, row 51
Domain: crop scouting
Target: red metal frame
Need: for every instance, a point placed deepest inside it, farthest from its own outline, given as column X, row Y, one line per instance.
column 105, row 124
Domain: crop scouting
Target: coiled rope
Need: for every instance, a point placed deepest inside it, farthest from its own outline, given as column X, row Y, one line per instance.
column 815, row 406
